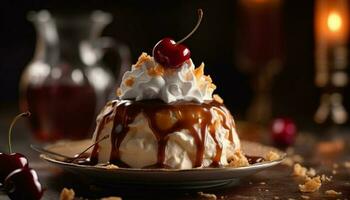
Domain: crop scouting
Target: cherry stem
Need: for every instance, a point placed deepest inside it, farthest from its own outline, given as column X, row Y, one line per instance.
column 25, row 114
column 80, row 154
column 200, row 16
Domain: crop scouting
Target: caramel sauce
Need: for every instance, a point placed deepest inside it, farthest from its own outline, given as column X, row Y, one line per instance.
column 163, row 120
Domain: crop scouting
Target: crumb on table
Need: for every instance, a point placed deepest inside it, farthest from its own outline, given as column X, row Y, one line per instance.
column 207, row 195
column 67, row 194
column 311, row 185
column 332, row 193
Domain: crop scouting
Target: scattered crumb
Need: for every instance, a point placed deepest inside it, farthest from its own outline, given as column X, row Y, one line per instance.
column 334, row 171
column 332, row 193
column 111, row 198
column 238, row 160
column 111, row 166
column 67, row 194
column 305, row 197
column 347, row 164
column 303, row 171
column 222, row 197
column 250, row 183
column 262, row 183
column 207, row 195
column 288, row 161
column 291, row 199
column 276, row 197
column 311, row 172
column 311, row 185
column 130, row 81
column 217, row 98
column 325, row 178
column 335, row 165
column 299, row 170
column 266, row 190
column 271, row 156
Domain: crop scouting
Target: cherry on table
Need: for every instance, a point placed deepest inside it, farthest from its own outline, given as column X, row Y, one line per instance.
column 11, row 162
column 23, row 184
column 283, row 131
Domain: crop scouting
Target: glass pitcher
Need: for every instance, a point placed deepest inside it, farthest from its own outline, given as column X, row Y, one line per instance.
column 66, row 84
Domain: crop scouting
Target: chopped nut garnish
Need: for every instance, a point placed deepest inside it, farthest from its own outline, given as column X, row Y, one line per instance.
column 271, row 156
column 276, row 197
column 111, row 166
column 334, row 171
column 311, row 172
column 311, row 185
column 67, row 194
column 207, row 195
column 335, row 165
column 238, row 160
column 305, row 197
column 143, row 58
column 199, row 71
column 130, row 81
column 111, row 198
column 324, row 178
column 217, row 98
column 156, row 71
column 332, row 192
column 262, row 183
column 299, row 170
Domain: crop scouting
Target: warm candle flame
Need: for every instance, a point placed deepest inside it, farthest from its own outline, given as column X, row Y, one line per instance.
column 334, row 22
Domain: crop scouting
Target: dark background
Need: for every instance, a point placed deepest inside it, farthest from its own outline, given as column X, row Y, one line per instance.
column 140, row 24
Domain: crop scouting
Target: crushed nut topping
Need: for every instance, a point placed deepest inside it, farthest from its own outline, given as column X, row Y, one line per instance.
column 217, row 98
column 67, row 194
column 311, row 185
column 207, row 195
column 271, row 156
column 238, row 160
column 332, row 193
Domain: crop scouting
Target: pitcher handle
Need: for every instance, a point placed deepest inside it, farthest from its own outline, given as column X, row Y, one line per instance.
column 122, row 50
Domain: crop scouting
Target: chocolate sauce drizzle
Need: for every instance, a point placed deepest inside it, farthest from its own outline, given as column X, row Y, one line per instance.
column 163, row 120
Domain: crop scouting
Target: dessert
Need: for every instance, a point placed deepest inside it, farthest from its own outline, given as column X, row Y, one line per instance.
column 167, row 117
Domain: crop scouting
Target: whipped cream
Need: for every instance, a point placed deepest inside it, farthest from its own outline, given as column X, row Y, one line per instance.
column 149, row 80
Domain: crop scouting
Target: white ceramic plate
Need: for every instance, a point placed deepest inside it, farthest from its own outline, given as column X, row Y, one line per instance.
column 165, row 178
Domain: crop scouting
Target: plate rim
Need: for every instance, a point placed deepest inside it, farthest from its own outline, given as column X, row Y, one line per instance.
column 263, row 164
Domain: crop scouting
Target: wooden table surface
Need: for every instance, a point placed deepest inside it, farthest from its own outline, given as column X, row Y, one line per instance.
column 327, row 156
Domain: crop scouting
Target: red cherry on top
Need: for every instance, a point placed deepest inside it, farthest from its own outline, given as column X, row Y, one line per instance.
column 169, row 54
column 283, row 131
column 11, row 162
column 172, row 54
column 23, row 184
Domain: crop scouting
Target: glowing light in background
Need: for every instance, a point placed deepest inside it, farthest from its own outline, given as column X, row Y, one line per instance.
column 334, row 22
